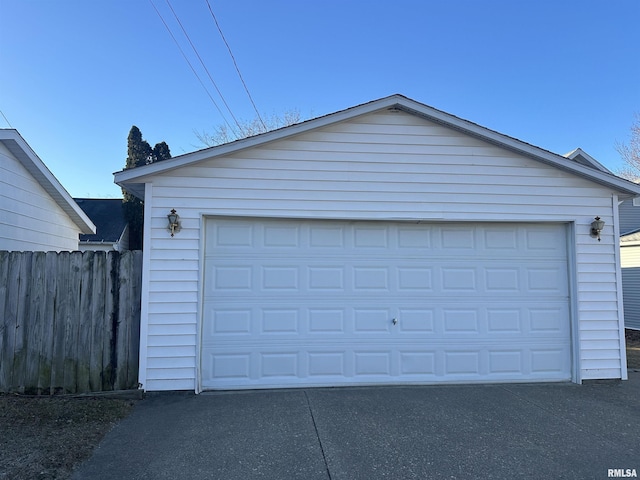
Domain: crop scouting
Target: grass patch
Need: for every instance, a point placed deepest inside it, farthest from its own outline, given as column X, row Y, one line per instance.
column 46, row 437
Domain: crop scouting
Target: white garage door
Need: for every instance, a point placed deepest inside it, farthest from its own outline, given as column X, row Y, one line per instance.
column 312, row 303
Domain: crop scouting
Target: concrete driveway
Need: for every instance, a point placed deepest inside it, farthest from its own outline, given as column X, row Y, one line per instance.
column 455, row 432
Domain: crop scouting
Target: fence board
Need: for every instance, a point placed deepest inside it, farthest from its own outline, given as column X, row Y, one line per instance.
column 97, row 318
column 70, row 321
column 6, row 345
column 5, row 358
column 134, row 312
column 108, row 339
column 83, row 358
column 34, row 322
column 21, row 292
column 60, row 312
column 48, row 324
column 124, row 336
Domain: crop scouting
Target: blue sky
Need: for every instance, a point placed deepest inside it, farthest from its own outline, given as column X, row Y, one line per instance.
column 75, row 75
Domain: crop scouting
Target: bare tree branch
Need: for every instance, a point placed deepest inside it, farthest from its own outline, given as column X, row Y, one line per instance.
column 223, row 134
column 630, row 153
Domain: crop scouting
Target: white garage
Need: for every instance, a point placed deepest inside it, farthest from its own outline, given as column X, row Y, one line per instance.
column 388, row 243
column 311, row 303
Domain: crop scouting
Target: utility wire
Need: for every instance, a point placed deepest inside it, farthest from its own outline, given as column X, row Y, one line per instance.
column 6, row 119
column 236, row 65
column 204, row 66
column 191, row 66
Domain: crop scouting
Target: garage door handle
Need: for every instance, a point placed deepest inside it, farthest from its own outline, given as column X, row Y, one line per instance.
column 394, row 321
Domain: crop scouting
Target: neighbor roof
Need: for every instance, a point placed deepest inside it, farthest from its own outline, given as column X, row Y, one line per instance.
column 133, row 179
column 632, row 237
column 21, row 150
column 582, row 157
column 108, row 217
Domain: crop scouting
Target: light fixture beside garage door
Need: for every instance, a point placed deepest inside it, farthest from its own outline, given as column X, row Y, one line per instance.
column 596, row 227
column 174, row 222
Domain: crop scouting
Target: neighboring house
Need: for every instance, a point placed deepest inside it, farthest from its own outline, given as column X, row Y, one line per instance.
column 36, row 212
column 630, row 260
column 629, row 215
column 389, row 243
column 629, row 228
column 112, row 231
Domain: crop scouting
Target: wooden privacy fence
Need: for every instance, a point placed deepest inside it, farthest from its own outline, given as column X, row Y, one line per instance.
column 70, row 321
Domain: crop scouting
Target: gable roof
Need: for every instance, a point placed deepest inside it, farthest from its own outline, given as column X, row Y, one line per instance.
column 108, row 217
column 21, row 150
column 582, row 157
column 133, row 179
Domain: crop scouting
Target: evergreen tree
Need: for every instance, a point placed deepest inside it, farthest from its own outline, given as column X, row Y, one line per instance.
column 138, row 150
column 139, row 153
column 161, row 152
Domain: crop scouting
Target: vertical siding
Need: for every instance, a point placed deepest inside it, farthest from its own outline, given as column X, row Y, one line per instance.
column 29, row 218
column 630, row 260
column 383, row 166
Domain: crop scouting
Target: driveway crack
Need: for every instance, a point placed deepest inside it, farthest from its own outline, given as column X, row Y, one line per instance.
column 315, row 427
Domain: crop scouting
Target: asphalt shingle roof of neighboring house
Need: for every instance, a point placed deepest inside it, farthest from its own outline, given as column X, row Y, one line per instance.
column 633, row 236
column 108, row 217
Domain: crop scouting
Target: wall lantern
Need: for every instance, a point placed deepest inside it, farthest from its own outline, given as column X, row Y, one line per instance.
column 596, row 227
column 174, row 222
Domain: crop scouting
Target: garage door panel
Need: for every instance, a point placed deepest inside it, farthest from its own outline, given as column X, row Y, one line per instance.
column 416, row 321
column 230, row 277
column 365, row 238
column 327, row 364
column 368, row 364
column 326, row 321
column 294, row 303
column 460, row 320
column 326, row 277
column 279, row 319
column 509, row 362
column 545, row 239
column 368, row 236
column 414, row 277
column 465, row 363
column 225, row 366
column 278, row 236
column 284, row 321
column 553, row 361
column 367, row 320
column 228, row 321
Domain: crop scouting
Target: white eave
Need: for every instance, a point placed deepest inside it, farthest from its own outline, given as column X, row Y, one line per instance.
column 133, row 179
column 21, row 150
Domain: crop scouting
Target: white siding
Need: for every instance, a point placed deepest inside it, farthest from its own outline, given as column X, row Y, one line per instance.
column 630, row 262
column 382, row 166
column 29, row 218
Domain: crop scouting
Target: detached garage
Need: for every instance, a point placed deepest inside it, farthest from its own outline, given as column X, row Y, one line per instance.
column 390, row 243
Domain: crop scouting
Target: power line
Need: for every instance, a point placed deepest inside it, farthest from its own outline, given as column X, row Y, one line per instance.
column 236, row 65
column 191, row 66
column 203, row 65
column 6, row 119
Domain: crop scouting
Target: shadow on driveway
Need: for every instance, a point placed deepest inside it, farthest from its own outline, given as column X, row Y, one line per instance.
column 455, row 432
